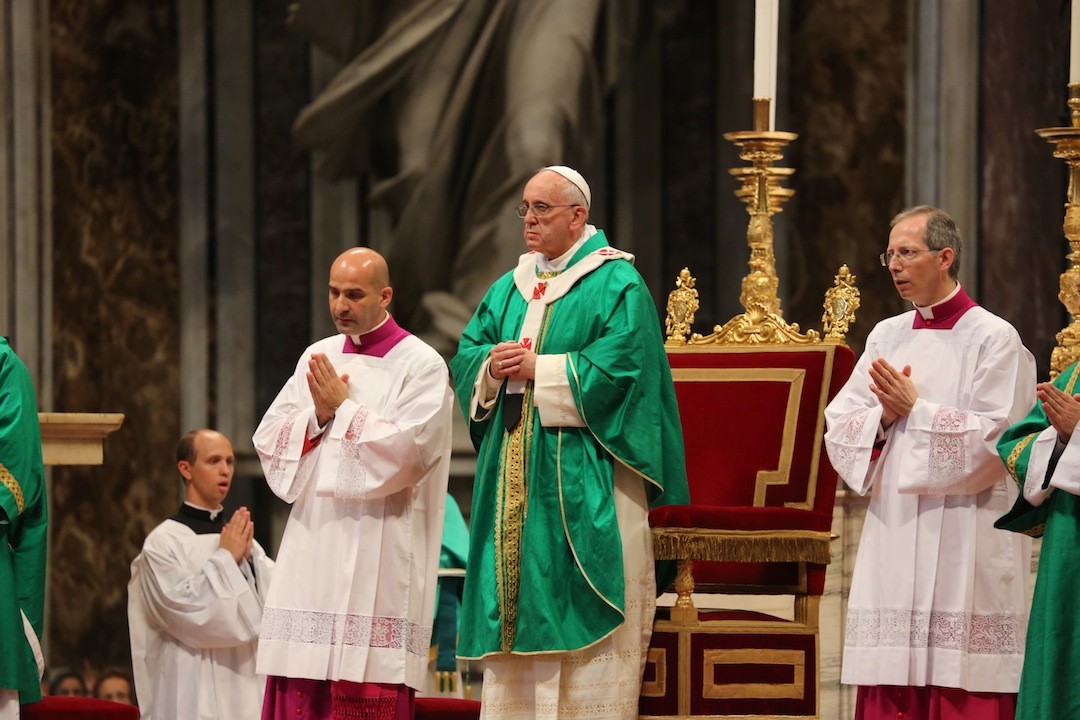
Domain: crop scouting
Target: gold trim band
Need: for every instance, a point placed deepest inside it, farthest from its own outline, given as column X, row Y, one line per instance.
column 1014, row 457
column 8, row 480
column 795, row 659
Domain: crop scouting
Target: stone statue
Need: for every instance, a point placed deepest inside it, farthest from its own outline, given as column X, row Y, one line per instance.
column 449, row 107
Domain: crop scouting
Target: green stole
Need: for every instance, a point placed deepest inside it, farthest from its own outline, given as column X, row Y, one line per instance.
column 545, row 560
column 22, row 526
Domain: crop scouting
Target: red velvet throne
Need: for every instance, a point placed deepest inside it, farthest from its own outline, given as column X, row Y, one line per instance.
column 751, row 398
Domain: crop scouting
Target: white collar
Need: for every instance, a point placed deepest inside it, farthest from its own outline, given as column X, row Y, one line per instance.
column 213, row 513
column 927, row 311
column 356, row 338
column 560, row 263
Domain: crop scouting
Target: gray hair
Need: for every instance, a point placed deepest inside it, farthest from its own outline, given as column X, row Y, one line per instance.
column 941, row 231
column 572, row 195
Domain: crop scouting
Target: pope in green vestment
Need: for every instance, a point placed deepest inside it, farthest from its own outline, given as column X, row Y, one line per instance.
column 22, row 527
column 545, row 570
column 1048, row 506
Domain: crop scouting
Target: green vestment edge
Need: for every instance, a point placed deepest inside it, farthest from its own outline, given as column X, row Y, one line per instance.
column 22, row 526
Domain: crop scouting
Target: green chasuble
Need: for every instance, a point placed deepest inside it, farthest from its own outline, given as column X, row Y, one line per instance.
column 545, row 570
column 1053, row 637
column 22, row 526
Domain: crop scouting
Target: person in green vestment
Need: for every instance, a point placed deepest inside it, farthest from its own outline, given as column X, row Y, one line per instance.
column 1042, row 452
column 22, row 537
column 562, row 376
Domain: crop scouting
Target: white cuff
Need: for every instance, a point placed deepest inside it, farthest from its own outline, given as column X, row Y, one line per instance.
column 484, row 393
column 552, row 395
column 1066, row 473
column 314, row 430
column 346, row 409
column 1042, row 450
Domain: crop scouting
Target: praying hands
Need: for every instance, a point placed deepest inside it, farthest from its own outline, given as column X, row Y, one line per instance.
column 327, row 389
column 1061, row 408
column 894, row 389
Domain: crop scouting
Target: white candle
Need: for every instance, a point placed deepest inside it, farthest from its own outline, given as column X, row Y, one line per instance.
column 1074, row 44
column 766, row 24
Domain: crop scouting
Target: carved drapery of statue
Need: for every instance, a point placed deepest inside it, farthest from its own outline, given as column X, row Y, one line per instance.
column 449, row 108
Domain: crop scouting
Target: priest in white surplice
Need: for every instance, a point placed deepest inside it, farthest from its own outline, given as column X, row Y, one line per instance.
column 196, row 596
column 358, row 441
column 937, row 612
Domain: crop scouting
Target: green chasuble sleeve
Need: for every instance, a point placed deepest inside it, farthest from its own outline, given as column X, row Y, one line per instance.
column 545, row 560
column 22, row 526
column 1014, row 447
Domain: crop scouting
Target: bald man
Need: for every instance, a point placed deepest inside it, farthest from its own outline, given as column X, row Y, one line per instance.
column 358, row 441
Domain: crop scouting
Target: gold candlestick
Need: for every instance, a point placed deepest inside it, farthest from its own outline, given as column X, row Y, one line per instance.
column 761, row 190
column 763, row 322
column 1066, row 142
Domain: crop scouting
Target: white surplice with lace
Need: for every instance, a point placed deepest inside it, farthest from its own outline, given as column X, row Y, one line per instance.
column 354, row 591
column 938, row 596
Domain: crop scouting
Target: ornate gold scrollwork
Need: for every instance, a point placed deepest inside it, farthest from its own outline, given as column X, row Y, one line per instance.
column 841, row 302
column 763, row 322
column 681, row 305
column 757, row 326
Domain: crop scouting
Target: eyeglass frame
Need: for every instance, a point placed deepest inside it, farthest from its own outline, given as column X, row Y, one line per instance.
column 904, row 255
column 523, row 209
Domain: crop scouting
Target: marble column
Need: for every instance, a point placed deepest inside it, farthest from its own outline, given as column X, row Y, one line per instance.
column 115, row 319
column 1025, row 52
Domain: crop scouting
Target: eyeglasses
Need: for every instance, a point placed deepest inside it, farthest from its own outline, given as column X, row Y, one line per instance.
column 539, row 210
column 905, row 256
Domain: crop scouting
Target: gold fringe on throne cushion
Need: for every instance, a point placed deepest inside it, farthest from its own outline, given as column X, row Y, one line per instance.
column 746, row 546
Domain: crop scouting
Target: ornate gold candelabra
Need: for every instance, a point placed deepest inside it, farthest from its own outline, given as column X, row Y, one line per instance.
column 1066, row 142
column 763, row 320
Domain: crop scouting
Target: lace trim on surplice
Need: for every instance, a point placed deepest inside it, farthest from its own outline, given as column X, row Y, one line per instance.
column 352, row 470
column 308, row 627
column 275, row 474
column 846, row 446
column 948, row 448
column 994, row 634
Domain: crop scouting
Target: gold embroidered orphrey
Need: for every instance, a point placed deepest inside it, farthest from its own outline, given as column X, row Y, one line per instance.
column 8, row 480
column 512, row 507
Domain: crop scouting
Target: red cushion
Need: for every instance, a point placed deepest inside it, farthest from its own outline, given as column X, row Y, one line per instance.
column 715, row 517
column 63, row 707
column 734, row 406
column 441, row 708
